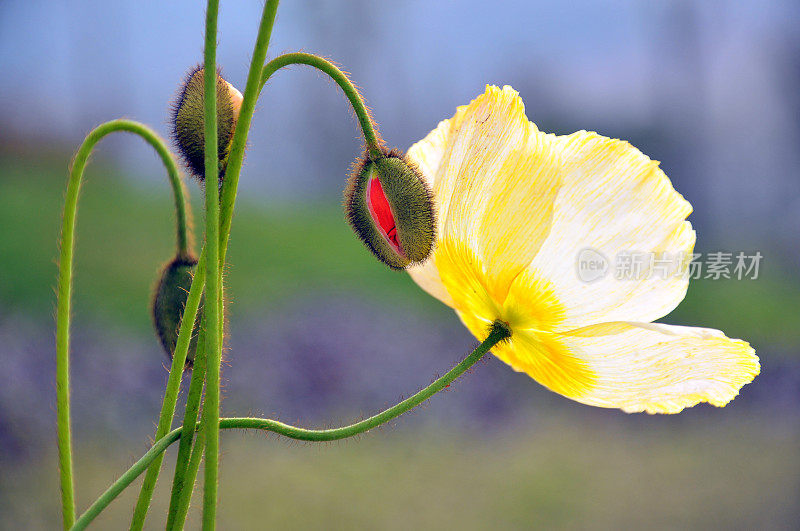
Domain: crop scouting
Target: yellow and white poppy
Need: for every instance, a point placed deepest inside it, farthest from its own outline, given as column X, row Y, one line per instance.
column 515, row 207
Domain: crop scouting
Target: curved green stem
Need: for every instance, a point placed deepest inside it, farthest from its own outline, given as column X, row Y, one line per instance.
column 65, row 284
column 126, row 479
column 499, row 332
column 211, row 314
column 182, row 215
column 172, row 390
column 340, row 78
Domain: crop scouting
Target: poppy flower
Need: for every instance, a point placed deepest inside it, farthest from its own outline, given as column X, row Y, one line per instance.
column 515, row 208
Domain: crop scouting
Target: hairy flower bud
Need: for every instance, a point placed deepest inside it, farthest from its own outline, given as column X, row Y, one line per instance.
column 390, row 207
column 169, row 301
column 187, row 121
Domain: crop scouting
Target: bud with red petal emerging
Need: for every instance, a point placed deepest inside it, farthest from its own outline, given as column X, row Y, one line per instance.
column 390, row 207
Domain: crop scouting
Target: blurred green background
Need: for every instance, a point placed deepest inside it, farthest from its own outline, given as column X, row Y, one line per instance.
column 321, row 334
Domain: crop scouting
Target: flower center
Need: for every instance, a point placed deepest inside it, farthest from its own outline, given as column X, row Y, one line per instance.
column 382, row 214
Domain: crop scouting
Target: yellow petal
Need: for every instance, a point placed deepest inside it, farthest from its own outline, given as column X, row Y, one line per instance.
column 614, row 199
column 636, row 366
column 631, row 366
column 495, row 178
column 530, row 309
column 661, row 368
column 464, row 278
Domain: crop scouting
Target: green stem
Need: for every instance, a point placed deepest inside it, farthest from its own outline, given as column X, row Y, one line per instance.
column 499, row 332
column 126, row 479
column 193, row 466
column 340, row 78
column 211, row 312
column 65, row 285
column 233, row 170
column 182, row 214
column 182, row 508
column 184, row 497
column 189, row 420
column 239, row 141
column 172, row 390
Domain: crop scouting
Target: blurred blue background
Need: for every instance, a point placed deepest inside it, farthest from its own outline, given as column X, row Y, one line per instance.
column 320, row 334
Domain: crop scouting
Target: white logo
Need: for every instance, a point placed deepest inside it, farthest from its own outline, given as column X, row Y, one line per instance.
column 591, row 265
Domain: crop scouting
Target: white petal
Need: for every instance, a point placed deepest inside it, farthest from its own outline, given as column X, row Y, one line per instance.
column 613, row 199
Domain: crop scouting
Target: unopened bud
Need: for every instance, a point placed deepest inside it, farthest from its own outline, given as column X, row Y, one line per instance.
column 187, row 121
column 169, row 301
column 390, row 207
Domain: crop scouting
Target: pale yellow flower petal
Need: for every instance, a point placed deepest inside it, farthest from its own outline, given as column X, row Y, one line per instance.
column 632, row 366
column 427, row 155
column 465, row 280
column 530, row 310
column 426, row 275
column 495, row 178
column 660, row 368
column 614, row 199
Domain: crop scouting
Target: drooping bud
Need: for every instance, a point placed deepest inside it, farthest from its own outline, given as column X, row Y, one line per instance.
column 390, row 207
column 187, row 121
column 169, row 300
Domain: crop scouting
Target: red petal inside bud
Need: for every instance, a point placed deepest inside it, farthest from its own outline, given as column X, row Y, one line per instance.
column 382, row 213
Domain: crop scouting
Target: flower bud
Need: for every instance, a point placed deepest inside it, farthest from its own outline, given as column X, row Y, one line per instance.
column 169, row 301
column 187, row 121
column 390, row 207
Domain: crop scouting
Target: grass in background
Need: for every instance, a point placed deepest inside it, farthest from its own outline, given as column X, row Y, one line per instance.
column 126, row 232
column 708, row 475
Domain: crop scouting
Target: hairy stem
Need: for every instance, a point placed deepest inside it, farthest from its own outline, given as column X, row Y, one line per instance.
column 192, row 467
column 179, row 482
column 340, row 78
column 182, row 216
column 211, row 313
column 65, row 284
column 499, row 332
column 171, row 392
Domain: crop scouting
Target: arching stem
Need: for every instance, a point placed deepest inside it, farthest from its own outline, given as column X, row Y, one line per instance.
column 64, row 292
column 498, row 332
column 371, row 138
